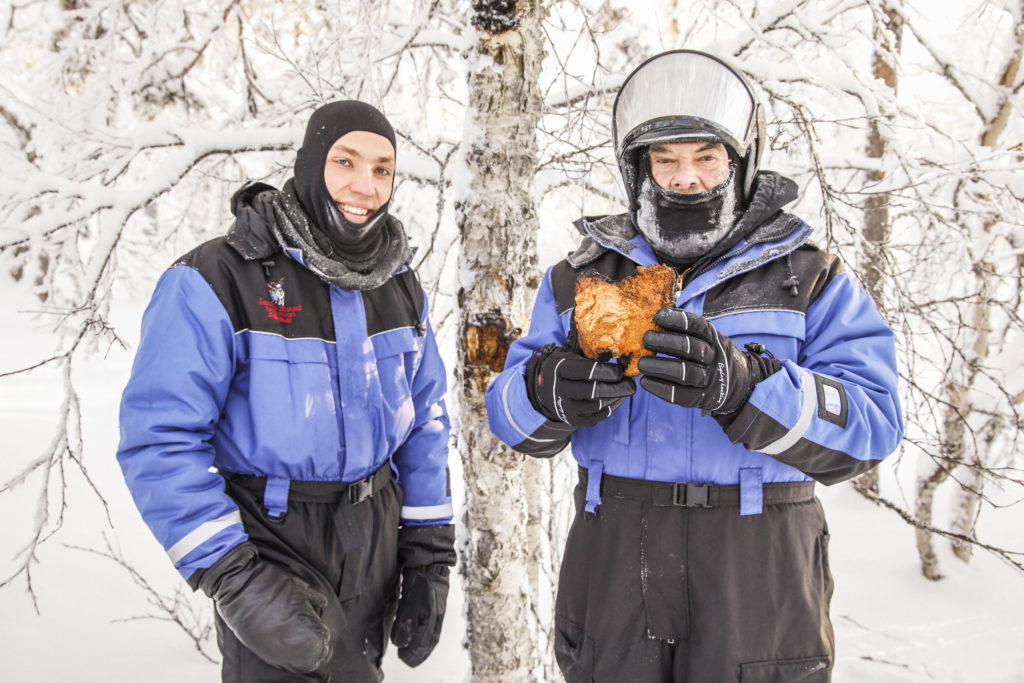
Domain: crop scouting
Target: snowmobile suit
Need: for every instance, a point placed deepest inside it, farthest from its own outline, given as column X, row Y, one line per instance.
column 329, row 403
column 251, row 364
column 829, row 414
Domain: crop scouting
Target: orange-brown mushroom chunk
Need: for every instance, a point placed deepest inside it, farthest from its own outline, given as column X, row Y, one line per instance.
column 612, row 317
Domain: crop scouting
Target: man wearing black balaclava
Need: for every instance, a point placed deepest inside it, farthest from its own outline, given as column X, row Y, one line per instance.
column 284, row 432
column 698, row 550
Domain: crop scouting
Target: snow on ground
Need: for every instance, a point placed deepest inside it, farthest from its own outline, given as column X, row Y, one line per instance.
column 93, row 622
column 894, row 626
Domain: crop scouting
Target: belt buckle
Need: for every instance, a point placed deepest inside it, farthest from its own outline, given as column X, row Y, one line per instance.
column 277, row 519
column 358, row 491
column 690, row 495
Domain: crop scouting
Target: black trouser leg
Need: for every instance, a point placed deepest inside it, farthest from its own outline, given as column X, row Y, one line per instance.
column 347, row 552
column 660, row 594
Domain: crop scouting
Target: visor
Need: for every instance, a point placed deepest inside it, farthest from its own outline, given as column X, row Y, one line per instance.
column 676, row 94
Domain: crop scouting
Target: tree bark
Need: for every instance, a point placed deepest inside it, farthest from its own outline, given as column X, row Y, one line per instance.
column 538, row 541
column 955, row 449
column 877, row 221
column 998, row 123
column 967, row 501
column 498, row 224
column 924, row 504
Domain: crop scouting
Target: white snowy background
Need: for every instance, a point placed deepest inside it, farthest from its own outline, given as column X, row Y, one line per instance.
column 102, row 590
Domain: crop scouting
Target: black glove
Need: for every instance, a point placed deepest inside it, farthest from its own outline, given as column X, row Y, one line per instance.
column 274, row 613
column 708, row 371
column 567, row 387
column 424, row 553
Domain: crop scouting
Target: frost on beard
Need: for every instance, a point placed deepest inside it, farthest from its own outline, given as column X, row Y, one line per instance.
column 697, row 227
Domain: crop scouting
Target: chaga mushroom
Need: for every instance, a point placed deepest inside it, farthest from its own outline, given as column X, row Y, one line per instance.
column 611, row 317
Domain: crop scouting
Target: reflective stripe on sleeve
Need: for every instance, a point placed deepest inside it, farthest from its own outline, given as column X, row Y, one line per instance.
column 201, row 534
column 508, row 413
column 427, row 511
column 810, row 400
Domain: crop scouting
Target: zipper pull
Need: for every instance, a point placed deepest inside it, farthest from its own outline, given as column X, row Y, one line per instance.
column 679, row 284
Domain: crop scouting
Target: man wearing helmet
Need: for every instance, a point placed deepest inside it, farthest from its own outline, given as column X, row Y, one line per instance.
column 699, row 552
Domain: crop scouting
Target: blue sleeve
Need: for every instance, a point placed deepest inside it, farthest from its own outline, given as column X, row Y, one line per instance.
column 835, row 412
column 512, row 417
column 422, row 459
column 169, row 409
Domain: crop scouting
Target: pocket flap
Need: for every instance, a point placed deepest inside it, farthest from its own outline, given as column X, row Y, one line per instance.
column 805, row 670
column 394, row 342
column 274, row 347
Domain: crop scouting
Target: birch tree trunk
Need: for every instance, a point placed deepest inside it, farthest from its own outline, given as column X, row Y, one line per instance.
column 498, row 224
column 877, row 221
column 967, row 500
column 954, row 446
column 972, row 459
column 537, row 497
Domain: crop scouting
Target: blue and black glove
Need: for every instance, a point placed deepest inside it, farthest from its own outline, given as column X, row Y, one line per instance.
column 567, row 387
column 425, row 554
column 706, row 369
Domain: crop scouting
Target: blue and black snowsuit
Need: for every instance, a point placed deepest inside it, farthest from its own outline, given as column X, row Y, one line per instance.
column 698, row 552
column 266, row 405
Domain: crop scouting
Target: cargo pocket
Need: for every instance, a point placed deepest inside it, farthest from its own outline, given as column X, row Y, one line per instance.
column 396, row 352
column 826, row 571
column 663, row 573
column 353, row 533
column 804, row 670
column 827, row 632
column 574, row 652
column 291, row 384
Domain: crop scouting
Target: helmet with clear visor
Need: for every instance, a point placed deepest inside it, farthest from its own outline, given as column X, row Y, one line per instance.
column 686, row 95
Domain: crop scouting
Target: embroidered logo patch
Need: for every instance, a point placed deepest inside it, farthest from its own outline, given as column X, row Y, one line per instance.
column 276, row 289
column 276, row 309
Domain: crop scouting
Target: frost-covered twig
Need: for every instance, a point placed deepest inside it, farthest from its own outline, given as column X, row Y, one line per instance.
column 1014, row 558
column 177, row 608
column 49, row 467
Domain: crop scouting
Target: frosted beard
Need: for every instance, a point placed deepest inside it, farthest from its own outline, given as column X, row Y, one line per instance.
column 683, row 227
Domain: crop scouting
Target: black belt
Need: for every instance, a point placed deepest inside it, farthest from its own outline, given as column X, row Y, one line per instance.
column 323, row 491
column 692, row 495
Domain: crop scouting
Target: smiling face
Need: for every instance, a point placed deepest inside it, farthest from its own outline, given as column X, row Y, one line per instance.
column 359, row 174
column 689, row 167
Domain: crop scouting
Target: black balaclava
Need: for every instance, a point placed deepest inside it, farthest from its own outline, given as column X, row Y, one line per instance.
column 681, row 228
column 308, row 225
column 354, row 244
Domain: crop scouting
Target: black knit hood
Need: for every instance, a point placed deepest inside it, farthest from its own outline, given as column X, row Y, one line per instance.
column 327, row 124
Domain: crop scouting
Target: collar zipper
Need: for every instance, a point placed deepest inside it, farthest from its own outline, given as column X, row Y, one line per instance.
column 678, row 289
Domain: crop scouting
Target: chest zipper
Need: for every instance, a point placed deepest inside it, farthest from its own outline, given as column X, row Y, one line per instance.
column 678, row 289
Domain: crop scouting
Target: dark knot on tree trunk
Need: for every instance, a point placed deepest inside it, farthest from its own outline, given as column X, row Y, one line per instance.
column 495, row 16
column 487, row 338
